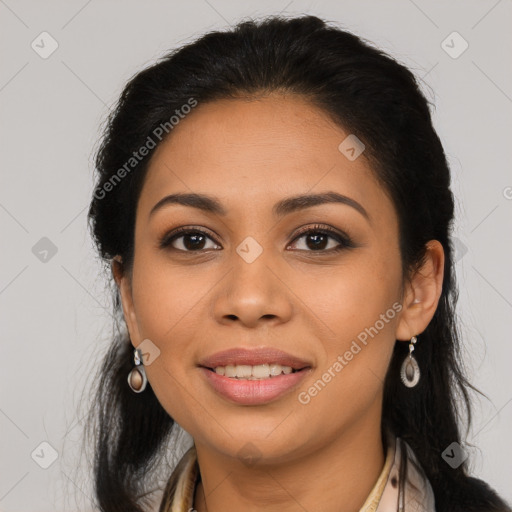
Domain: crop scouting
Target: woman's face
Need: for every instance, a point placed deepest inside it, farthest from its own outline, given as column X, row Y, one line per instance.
column 248, row 279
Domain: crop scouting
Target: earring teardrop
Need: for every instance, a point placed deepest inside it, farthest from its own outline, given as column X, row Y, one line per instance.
column 137, row 379
column 410, row 370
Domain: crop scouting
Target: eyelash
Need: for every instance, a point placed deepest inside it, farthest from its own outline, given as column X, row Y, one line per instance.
column 344, row 240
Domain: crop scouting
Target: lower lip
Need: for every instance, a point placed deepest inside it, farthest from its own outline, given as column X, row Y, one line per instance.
column 254, row 392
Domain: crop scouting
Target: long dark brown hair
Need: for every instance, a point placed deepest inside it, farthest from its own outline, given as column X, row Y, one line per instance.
column 374, row 97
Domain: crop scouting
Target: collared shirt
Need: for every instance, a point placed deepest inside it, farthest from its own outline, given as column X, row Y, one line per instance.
column 402, row 486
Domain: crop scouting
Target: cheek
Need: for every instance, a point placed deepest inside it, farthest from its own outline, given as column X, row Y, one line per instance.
column 358, row 307
column 352, row 296
column 351, row 372
column 170, row 302
column 167, row 299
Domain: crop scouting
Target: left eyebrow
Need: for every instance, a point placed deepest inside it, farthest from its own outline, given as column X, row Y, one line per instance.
column 295, row 203
column 284, row 207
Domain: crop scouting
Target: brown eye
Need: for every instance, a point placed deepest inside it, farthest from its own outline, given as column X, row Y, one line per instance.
column 317, row 239
column 189, row 240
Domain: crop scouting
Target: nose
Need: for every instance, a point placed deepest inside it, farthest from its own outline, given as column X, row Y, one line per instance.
column 254, row 291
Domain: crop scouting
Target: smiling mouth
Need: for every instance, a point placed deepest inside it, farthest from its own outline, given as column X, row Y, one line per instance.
column 254, row 372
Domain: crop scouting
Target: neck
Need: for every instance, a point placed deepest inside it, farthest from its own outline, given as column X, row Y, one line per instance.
column 341, row 473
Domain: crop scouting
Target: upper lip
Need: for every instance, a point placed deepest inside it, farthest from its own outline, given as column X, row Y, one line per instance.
column 253, row 357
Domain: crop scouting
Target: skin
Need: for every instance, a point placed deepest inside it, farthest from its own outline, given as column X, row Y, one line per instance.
column 309, row 302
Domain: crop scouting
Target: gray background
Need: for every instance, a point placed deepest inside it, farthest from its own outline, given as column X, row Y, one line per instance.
column 55, row 308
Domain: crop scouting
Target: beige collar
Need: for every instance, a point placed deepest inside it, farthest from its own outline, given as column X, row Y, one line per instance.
column 401, row 485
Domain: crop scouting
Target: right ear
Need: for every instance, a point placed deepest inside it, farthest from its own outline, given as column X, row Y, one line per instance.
column 123, row 282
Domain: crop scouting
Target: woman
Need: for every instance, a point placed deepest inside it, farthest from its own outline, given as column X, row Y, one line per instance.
column 275, row 206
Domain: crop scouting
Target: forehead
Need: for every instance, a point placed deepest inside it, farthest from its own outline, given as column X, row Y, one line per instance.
column 254, row 152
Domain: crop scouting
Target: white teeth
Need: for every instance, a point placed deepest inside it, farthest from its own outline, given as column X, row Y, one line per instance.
column 230, row 371
column 260, row 371
column 243, row 371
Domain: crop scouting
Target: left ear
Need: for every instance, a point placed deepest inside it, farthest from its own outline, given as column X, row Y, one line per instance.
column 421, row 294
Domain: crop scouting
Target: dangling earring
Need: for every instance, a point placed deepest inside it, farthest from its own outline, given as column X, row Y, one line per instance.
column 137, row 379
column 410, row 371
